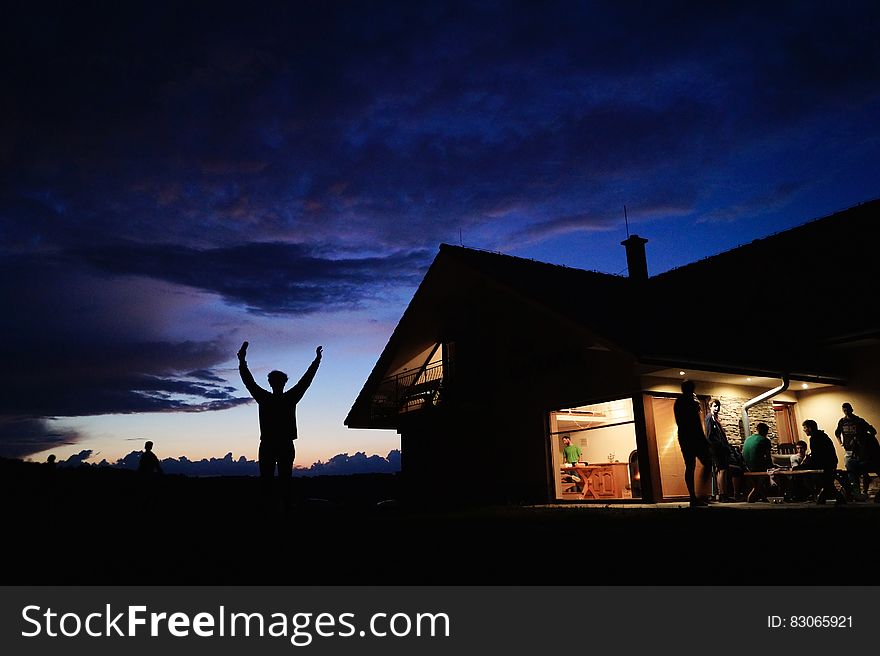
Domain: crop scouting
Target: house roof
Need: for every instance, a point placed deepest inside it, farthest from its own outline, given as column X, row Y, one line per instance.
column 598, row 301
column 777, row 301
column 775, row 305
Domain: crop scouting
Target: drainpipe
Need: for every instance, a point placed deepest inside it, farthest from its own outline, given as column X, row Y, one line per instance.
column 769, row 394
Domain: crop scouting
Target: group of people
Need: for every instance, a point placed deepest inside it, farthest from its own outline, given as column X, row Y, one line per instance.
column 708, row 443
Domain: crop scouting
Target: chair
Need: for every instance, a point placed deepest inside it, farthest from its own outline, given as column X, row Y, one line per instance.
column 781, row 460
column 634, row 477
column 570, row 481
column 786, row 448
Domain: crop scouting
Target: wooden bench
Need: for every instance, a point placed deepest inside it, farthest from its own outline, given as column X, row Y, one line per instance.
column 759, row 478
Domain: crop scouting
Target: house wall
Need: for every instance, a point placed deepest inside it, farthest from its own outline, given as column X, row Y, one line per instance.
column 823, row 406
column 861, row 363
column 514, row 363
column 732, row 398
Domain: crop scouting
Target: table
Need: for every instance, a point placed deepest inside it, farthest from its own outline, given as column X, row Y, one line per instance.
column 607, row 480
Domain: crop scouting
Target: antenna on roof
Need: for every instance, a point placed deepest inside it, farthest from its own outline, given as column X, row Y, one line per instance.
column 460, row 242
column 626, row 221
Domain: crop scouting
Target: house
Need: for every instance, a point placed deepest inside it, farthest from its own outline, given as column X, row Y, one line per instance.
column 497, row 358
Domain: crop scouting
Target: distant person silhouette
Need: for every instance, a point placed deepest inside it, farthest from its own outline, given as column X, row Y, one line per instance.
column 277, row 416
column 149, row 463
column 691, row 439
column 49, row 473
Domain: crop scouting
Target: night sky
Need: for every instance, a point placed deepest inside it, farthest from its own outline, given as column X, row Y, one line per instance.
column 179, row 177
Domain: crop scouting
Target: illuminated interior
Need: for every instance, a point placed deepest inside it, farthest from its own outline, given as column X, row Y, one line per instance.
column 607, row 467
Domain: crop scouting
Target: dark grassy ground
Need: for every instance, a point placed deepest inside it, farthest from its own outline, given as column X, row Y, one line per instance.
column 109, row 527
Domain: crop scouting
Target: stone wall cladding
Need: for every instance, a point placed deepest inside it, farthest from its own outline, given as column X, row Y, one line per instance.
column 731, row 418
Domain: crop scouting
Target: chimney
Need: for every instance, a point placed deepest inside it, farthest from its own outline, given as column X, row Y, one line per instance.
column 636, row 262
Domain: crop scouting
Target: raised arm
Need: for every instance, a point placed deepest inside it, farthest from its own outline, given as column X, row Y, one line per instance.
column 246, row 376
column 300, row 388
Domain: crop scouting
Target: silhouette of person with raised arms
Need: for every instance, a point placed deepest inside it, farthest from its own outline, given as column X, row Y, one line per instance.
column 277, row 416
column 692, row 439
column 149, row 463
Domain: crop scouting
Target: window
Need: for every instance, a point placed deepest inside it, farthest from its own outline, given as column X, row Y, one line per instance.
column 593, row 449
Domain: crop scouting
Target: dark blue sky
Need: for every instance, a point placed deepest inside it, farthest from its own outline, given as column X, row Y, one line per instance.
column 179, row 176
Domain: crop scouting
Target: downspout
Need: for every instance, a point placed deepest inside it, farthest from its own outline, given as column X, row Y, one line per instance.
column 769, row 394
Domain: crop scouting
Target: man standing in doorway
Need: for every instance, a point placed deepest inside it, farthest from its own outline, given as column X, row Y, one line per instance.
column 692, row 439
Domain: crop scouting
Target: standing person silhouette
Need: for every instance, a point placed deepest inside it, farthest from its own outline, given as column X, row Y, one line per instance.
column 149, row 463
column 692, row 439
column 277, row 416
column 719, row 448
column 853, row 433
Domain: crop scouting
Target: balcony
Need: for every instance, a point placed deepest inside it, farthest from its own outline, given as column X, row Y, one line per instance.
column 408, row 391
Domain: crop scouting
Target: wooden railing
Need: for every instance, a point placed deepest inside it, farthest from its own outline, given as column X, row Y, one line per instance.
column 408, row 391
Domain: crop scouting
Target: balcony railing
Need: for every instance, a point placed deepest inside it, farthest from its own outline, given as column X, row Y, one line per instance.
column 408, row 391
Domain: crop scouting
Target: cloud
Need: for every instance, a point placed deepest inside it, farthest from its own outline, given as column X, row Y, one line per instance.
column 266, row 278
column 22, row 436
column 755, row 206
column 79, row 345
column 359, row 463
column 561, row 226
column 402, row 123
column 339, row 465
column 295, row 158
column 77, row 459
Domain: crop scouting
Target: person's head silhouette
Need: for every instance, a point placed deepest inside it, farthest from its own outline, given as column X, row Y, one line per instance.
column 148, row 446
column 277, row 381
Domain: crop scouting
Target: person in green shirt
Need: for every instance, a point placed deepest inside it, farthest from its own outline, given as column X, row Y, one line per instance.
column 756, row 453
column 570, row 452
column 756, row 450
column 571, row 455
